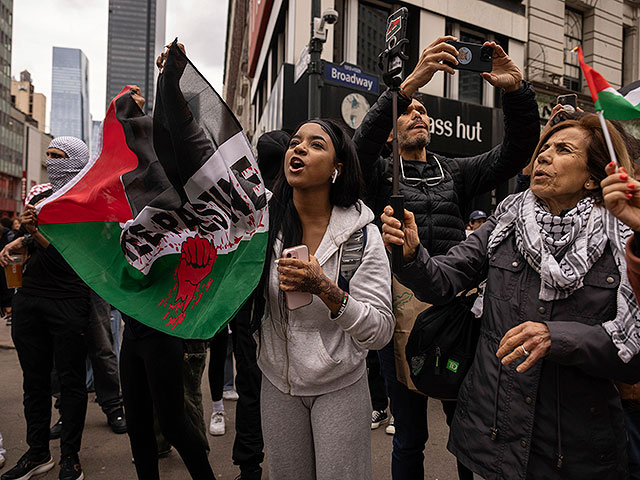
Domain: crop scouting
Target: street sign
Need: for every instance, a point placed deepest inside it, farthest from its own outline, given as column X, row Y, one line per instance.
column 350, row 76
column 301, row 64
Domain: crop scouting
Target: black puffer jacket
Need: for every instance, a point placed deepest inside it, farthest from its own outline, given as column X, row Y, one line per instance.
column 438, row 208
column 560, row 420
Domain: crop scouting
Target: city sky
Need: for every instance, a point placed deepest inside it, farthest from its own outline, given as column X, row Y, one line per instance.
column 40, row 25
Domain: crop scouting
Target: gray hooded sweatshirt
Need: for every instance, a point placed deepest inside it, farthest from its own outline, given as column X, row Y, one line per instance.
column 311, row 353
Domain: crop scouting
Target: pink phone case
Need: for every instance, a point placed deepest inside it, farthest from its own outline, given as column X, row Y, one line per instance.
column 295, row 300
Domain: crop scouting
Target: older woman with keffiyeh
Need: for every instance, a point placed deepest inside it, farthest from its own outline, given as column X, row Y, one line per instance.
column 559, row 319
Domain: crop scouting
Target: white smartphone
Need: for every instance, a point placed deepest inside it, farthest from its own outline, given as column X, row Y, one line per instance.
column 295, row 300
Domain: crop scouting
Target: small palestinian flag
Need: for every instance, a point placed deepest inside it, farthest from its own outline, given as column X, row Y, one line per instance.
column 615, row 105
column 393, row 28
column 169, row 222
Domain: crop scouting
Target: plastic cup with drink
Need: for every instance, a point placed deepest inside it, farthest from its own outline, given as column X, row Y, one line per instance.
column 13, row 271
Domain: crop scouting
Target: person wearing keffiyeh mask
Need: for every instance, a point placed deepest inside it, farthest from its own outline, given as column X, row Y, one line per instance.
column 50, row 324
column 560, row 322
column 66, row 157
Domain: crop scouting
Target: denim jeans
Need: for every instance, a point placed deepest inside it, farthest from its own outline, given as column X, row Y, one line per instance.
column 377, row 389
column 102, row 356
column 116, row 330
column 409, row 410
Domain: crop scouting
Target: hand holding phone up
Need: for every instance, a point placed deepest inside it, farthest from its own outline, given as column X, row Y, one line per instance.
column 505, row 73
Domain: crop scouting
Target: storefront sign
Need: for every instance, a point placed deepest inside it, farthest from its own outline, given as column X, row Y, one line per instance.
column 459, row 128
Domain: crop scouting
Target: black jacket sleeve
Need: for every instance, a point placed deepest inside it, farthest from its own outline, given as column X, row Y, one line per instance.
column 437, row 280
column 590, row 348
column 371, row 137
column 484, row 172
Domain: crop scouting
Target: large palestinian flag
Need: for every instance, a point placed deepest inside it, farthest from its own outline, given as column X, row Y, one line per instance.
column 169, row 222
column 615, row 105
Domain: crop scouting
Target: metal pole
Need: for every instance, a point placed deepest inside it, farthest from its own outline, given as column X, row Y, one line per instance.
column 315, row 67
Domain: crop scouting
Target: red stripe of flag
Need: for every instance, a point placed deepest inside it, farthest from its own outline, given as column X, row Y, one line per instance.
column 595, row 81
column 99, row 195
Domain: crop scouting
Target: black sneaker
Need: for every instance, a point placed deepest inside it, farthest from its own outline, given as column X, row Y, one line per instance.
column 117, row 422
column 27, row 467
column 70, row 468
column 250, row 474
column 56, row 430
column 378, row 417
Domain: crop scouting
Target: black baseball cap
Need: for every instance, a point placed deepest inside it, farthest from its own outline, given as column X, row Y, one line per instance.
column 477, row 215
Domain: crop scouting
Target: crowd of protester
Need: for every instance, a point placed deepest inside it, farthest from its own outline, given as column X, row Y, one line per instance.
column 551, row 392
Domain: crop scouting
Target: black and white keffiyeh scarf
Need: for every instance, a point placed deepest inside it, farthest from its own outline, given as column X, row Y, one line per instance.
column 563, row 249
column 62, row 170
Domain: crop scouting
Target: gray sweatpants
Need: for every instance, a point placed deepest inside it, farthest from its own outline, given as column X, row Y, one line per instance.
column 326, row 437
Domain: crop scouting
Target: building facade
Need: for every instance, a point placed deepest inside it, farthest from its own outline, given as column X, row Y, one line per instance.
column 96, row 138
column 27, row 100
column 136, row 38
column 607, row 30
column 265, row 80
column 265, row 36
column 12, row 163
column 11, row 129
column 70, row 94
column 36, row 143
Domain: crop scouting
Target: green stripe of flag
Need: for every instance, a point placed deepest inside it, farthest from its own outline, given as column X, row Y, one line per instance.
column 236, row 275
column 616, row 107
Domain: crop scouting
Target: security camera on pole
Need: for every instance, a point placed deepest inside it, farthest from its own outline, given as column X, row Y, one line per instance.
column 318, row 37
column 391, row 63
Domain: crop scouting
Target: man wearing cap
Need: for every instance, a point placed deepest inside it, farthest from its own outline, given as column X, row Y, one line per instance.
column 476, row 219
column 50, row 313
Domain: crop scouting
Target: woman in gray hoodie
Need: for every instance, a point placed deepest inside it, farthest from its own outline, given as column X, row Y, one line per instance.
column 316, row 411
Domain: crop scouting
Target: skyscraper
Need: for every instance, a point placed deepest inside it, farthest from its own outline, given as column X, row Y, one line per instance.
column 136, row 38
column 27, row 100
column 11, row 130
column 70, row 94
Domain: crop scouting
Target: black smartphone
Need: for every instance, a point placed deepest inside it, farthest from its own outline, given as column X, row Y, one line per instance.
column 472, row 57
column 569, row 99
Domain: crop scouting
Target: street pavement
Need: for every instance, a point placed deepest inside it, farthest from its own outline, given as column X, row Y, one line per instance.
column 107, row 456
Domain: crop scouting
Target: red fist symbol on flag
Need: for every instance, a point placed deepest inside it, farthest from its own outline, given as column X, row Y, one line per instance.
column 196, row 262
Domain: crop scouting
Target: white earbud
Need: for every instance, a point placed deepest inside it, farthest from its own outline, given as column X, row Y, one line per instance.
column 334, row 176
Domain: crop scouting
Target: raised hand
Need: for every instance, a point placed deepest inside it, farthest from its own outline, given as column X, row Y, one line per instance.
column 196, row 262
column 505, row 73
column 621, row 195
column 29, row 219
column 430, row 62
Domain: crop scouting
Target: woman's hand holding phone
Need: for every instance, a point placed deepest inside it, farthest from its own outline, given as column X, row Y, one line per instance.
column 301, row 278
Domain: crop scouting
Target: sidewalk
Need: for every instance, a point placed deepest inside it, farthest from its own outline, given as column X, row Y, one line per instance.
column 5, row 336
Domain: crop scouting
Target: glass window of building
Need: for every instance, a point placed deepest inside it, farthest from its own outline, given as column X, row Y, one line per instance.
column 372, row 21
column 573, row 27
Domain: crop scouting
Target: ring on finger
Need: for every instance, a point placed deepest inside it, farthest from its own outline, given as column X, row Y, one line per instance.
column 524, row 351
